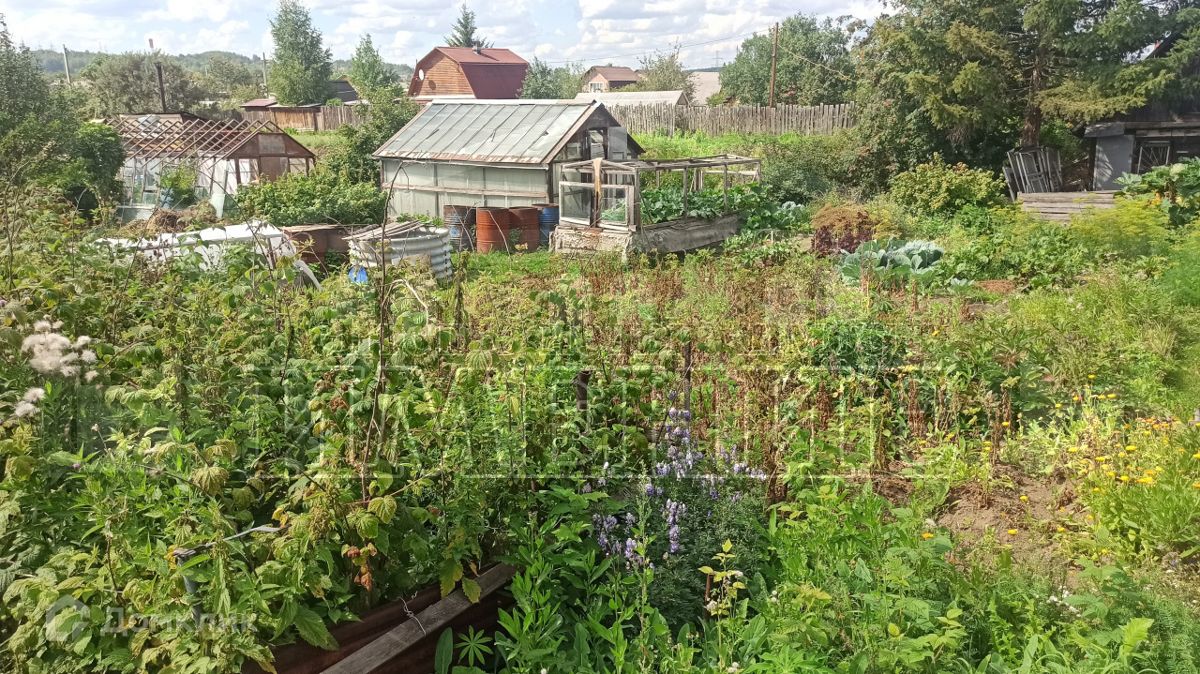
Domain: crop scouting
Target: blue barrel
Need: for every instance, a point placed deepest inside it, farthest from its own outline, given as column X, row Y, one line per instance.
column 547, row 221
column 456, row 219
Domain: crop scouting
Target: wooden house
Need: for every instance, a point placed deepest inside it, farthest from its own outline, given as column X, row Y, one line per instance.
column 463, row 72
column 599, row 79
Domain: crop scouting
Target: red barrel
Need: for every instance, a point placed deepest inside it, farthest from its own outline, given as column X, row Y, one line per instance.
column 492, row 229
column 527, row 221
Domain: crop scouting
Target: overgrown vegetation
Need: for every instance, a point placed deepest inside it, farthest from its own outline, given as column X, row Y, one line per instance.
column 882, row 458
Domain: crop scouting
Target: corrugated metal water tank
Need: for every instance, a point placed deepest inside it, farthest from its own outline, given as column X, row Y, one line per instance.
column 403, row 242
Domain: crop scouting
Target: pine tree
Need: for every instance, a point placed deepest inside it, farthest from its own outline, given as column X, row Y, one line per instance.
column 368, row 71
column 463, row 33
column 301, row 70
column 974, row 78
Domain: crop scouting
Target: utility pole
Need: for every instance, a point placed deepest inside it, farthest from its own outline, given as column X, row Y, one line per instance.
column 265, row 85
column 66, row 65
column 774, row 54
column 162, row 92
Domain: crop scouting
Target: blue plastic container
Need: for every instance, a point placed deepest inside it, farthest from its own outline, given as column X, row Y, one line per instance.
column 547, row 221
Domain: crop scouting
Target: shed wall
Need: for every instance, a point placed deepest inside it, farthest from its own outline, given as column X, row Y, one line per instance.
column 426, row 188
column 1114, row 158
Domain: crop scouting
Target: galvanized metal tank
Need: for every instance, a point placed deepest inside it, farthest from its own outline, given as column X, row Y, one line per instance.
column 403, row 243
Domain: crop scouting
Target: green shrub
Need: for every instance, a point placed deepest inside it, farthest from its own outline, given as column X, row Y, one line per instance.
column 839, row 229
column 805, row 168
column 795, row 167
column 1032, row 252
column 1182, row 276
column 1132, row 228
column 1175, row 189
column 938, row 187
column 178, row 186
column 321, row 197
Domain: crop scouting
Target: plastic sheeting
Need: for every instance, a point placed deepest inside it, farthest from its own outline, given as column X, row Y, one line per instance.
column 214, row 242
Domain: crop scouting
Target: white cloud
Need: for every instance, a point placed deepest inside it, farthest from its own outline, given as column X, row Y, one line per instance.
column 587, row 31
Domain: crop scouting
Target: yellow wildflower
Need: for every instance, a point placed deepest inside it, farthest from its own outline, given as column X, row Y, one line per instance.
column 1145, row 480
column 927, row 535
column 1130, row 448
column 1012, row 532
column 1062, row 529
column 1024, row 498
column 1091, row 376
column 1124, row 478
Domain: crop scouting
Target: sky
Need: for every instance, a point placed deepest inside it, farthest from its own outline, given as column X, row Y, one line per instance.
column 587, row 32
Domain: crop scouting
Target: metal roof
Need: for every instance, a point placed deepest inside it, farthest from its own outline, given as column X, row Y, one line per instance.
column 614, row 73
column 516, row 132
column 488, row 55
column 634, row 97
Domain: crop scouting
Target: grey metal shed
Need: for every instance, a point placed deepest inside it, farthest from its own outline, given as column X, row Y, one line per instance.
column 494, row 153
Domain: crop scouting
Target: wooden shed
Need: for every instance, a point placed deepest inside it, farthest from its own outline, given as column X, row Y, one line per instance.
column 221, row 156
column 1160, row 133
column 494, row 153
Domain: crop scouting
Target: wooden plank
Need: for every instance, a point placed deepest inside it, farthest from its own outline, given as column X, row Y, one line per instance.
column 430, row 620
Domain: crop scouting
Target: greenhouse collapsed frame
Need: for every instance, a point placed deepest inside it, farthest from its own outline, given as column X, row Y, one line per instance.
column 224, row 154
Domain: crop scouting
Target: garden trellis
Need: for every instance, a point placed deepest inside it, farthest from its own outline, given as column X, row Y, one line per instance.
column 224, row 155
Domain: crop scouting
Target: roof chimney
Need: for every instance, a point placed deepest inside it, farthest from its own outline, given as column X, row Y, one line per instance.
column 477, row 49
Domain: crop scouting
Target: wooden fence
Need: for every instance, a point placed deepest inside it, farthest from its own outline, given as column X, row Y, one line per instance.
column 817, row 120
column 307, row 118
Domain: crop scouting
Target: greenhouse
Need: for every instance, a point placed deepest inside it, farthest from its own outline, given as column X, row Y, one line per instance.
column 209, row 159
column 494, row 153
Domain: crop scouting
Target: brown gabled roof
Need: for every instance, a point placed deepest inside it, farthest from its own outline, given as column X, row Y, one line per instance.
column 491, row 73
column 615, row 73
column 465, row 55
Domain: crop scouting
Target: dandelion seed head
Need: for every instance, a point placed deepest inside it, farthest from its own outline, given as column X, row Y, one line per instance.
column 24, row 409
